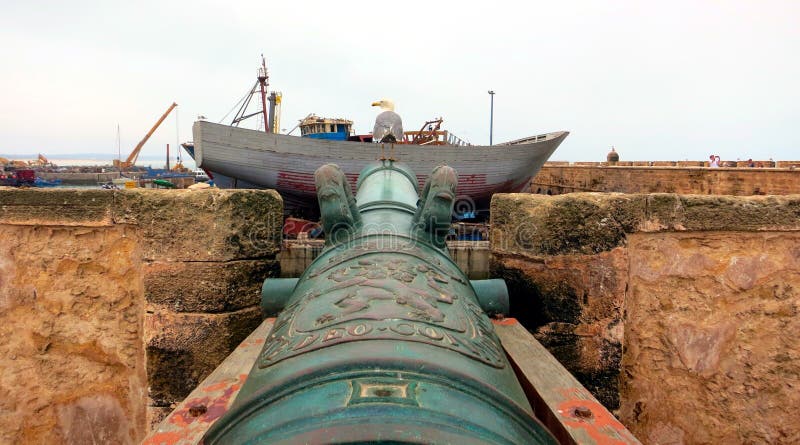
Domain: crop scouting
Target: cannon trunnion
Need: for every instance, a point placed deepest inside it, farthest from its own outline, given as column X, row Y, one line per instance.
column 383, row 339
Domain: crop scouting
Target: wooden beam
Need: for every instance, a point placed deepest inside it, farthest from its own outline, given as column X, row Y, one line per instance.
column 571, row 413
column 568, row 409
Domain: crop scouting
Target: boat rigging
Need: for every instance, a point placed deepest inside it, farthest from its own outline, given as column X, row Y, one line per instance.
column 271, row 117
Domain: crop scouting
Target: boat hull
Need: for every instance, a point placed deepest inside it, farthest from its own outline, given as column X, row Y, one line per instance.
column 287, row 163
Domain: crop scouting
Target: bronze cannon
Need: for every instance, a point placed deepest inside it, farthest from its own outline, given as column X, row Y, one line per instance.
column 383, row 339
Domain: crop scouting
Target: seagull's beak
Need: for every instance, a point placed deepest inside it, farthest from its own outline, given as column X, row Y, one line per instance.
column 376, row 104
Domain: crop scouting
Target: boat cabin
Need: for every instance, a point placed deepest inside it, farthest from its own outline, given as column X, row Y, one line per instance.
column 325, row 128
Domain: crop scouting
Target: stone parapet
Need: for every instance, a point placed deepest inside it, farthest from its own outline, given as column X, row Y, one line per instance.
column 232, row 224
column 56, row 207
column 788, row 164
column 671, row 309
column 688, row 177
column 115, row 304
column 79, row 178
column 589, row 223
column 209, row 287
column 235, row 224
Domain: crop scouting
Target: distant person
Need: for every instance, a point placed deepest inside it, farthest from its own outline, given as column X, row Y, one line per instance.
column 750, row 163
column 713, row 161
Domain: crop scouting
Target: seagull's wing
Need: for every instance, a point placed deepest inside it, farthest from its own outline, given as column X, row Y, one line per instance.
column 388, row 123
column 381, row 128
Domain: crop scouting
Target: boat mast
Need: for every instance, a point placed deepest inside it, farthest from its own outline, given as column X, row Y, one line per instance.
column 263, row 80
column 178, row 140
column 119, row 149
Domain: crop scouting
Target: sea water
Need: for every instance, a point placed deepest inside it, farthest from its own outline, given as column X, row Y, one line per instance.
column 187, row 163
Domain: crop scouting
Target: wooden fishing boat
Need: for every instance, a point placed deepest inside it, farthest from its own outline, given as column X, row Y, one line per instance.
column 286, row 163
column 237, row 157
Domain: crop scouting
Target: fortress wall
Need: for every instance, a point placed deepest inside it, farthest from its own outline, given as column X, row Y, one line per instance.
column 80, row 178
column 556, row 179
column 677, row 311
column 115, row 304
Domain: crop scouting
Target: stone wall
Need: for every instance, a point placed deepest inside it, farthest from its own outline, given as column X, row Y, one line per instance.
column 79, row 178
column 558, row 179
column 678, row 312
column 115, row 304
column 70, row 320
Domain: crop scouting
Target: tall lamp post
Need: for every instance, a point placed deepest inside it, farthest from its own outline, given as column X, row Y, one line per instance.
column 491, row 116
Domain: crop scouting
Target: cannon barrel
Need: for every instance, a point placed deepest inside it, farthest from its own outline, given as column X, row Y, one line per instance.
column 383, row 338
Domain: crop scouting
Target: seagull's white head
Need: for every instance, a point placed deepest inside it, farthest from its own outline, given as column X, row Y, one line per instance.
column 385, row 104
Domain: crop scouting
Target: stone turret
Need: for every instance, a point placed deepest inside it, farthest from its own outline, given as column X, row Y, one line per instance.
column 612, row 157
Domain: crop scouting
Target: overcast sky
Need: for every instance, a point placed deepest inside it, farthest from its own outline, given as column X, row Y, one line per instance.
column 659, row 80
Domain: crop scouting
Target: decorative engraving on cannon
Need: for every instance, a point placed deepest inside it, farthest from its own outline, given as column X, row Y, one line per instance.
column 370, row 299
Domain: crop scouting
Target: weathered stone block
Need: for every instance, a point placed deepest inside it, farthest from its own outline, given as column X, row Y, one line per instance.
column 55, row 207
column 751, row 213
column 95, row 418
column 710, row 351
column 206, row 225
column 296, row 255
column 75, row 268
column 668, row 212
column 647, row 177
column 472, row 257
column 573, row 304
column 207, row 286
column 155, row 414
column 182, row 349
column 70, row 334
column 585, row 223
column 708, row 283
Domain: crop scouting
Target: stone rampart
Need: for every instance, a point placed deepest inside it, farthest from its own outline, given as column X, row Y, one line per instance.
column 114, row 305
column 79, row 178
column 678, row 311
column 680, row 177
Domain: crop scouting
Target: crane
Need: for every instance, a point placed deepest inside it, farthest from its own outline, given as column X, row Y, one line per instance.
column 128, row 163
column 41, row 161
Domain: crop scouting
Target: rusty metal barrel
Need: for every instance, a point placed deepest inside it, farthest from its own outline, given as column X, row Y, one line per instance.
column 383, row 339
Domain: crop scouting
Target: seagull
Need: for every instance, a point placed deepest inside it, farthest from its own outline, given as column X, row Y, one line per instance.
column 388, row 125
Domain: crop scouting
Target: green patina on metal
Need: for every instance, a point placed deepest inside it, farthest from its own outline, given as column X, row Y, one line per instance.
column 492, row 295
column 382, row 340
